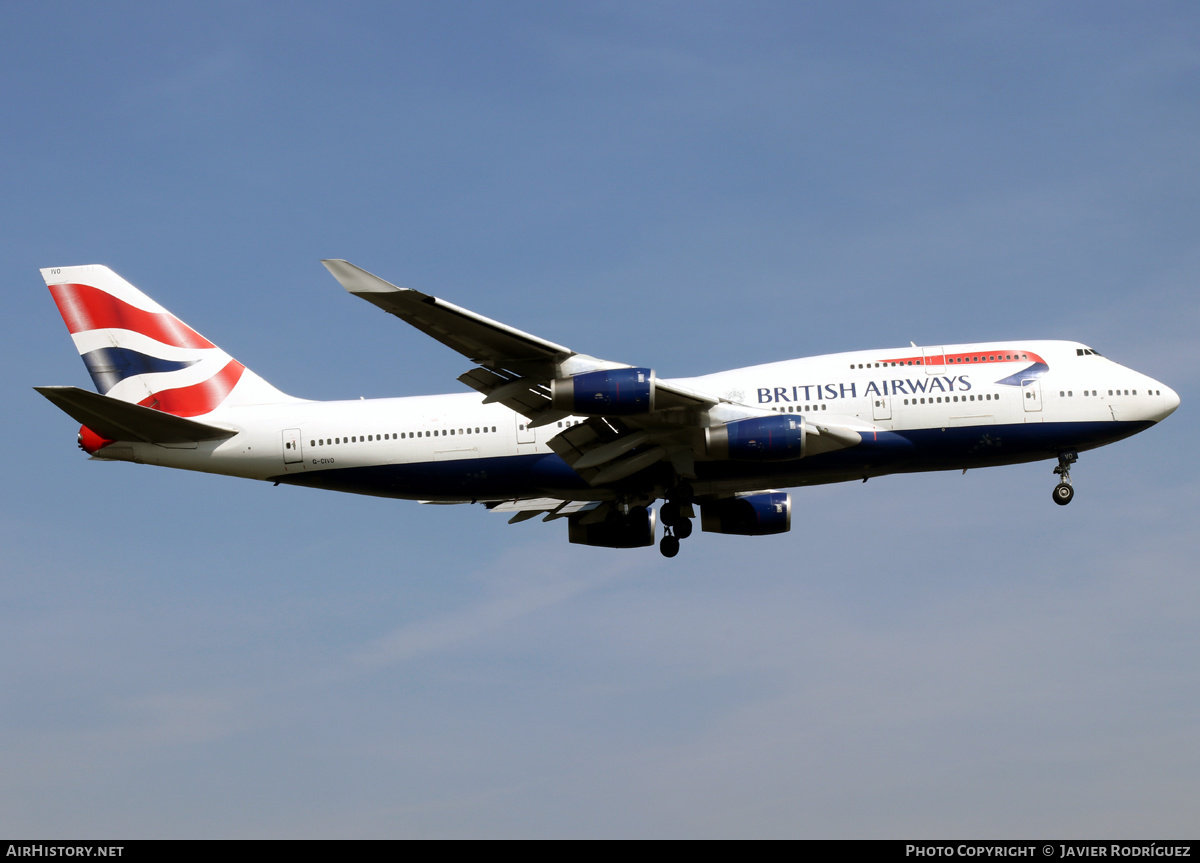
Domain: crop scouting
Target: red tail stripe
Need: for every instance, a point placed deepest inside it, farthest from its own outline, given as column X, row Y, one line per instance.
column 198, row 398
column 86, row 308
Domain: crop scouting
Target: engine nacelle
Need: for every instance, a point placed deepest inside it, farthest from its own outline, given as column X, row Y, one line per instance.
column 749, row 515
column 606, row 392
column 777, row 438
column 617, row 531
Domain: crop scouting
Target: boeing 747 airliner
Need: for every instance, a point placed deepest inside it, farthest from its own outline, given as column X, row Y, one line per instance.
column 568, row 436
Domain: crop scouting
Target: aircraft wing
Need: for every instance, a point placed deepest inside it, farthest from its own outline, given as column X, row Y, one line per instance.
column 489, row 343
column 518, row 369
column 524, row 509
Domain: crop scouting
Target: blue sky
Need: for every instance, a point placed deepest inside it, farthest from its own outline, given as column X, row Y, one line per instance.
column 690, row 186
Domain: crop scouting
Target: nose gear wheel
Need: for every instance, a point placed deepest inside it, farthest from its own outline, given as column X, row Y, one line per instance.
column 1064, row 491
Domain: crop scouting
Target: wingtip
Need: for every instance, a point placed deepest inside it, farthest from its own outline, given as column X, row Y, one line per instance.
column 355, row 279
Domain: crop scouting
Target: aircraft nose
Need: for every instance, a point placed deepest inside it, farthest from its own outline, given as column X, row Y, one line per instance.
column 1170, row 401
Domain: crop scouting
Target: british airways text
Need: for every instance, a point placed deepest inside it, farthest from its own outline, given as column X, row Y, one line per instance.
column 893, row 387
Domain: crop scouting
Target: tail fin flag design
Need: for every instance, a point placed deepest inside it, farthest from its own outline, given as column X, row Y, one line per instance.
column 136, row 351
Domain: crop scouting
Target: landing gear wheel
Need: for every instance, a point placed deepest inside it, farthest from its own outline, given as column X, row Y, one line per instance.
column 670, row 513
column 1063, row 492
column 683, row 528
column 669, row 546
column 683, row 493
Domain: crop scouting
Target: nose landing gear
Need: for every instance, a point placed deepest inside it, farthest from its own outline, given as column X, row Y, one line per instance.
column 1064, row 491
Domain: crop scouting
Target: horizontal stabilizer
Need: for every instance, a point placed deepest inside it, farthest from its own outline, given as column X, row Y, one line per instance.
column 119, row 420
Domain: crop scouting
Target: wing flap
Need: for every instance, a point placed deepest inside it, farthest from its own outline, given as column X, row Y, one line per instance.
column 526, row 396
column 524, row 509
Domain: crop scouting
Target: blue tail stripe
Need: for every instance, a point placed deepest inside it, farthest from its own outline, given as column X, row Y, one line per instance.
column 109, row 366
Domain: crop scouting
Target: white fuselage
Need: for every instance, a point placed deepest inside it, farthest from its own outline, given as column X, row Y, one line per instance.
column 1038, row 396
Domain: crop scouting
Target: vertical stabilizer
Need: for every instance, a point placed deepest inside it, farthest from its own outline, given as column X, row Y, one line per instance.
column 137, row 351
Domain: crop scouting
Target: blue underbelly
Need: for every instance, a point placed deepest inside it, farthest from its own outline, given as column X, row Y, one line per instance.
column 880, row 453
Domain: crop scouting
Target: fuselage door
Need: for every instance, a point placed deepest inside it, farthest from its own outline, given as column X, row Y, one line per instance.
column 881, row 407
column 524, row 432
column 291, row 447
column 935, row 361
column 1031, row 395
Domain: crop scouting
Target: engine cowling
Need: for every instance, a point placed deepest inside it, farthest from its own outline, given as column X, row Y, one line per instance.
column 617, row 531
column 605, row 392
column 776, row 438
column 749, row 514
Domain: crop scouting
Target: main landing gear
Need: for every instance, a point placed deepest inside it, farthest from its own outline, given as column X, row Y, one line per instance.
column 676, row 519
column 1064, row 491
